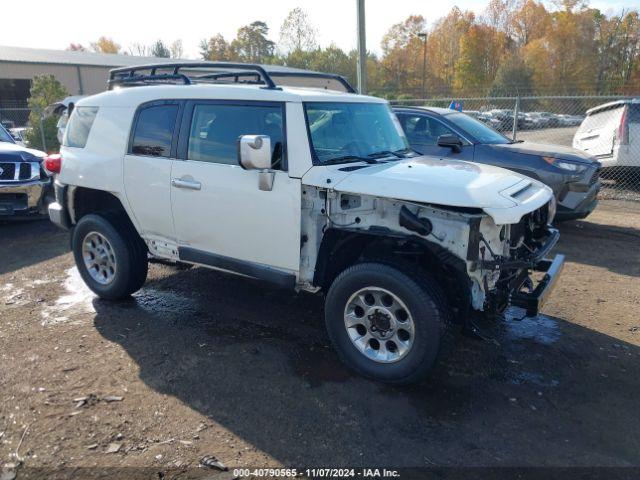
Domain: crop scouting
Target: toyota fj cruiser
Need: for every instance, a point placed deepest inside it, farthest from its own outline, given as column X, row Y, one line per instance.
column 308, row 188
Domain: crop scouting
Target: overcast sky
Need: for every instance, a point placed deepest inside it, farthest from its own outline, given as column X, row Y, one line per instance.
column 55, row 24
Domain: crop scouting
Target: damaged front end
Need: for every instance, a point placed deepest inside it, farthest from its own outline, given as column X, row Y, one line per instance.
column 481, row 266
column 526, row 246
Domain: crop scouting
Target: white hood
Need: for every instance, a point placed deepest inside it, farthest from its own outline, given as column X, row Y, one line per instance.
column 504, row 195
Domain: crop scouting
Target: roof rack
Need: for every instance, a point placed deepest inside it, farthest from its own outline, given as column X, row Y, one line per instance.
column 239, row 72
column 131, row 75
column 284, row 73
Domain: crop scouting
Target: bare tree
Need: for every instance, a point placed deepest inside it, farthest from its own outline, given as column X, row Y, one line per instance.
column 139, row 50
column 176, row 49
column 297, row 33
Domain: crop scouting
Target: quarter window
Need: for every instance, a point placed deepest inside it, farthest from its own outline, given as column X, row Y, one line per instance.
column 154, row 131
column 79, row 126
column 215, row 130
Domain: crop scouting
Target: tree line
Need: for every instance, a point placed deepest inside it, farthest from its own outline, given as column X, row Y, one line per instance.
column 515, row 47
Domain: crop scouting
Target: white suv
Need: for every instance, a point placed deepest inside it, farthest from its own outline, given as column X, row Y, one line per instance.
column 611, row 133
column 310, row 189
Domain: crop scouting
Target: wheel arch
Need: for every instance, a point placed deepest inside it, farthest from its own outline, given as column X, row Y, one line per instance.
column 342, row 248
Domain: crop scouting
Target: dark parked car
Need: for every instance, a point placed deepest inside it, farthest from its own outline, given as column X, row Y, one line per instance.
column 25, row 186
column 573, row 175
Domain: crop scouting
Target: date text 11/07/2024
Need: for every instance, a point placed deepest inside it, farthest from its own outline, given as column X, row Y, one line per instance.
column 318, row 472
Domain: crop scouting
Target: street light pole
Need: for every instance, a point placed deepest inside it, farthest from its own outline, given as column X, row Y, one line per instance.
column 362, row 50
column 423, row 36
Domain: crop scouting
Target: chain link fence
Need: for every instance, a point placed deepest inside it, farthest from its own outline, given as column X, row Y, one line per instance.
column 15, row 119
column 607, row 127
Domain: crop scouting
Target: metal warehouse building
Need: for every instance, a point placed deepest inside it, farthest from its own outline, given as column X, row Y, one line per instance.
column 82, row 73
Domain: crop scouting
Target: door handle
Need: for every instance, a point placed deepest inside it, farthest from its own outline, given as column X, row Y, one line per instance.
column 189, row 184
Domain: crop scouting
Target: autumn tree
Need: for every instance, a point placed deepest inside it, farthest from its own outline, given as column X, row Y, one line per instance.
column 529, row 22
column 105, row 45
column 402, row 53
column 217, row 48
column 443, row 47
column 480, row 53
column 76, row 47
column 297, row 33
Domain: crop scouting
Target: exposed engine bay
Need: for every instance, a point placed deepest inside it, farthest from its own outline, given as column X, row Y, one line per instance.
column 489, row 262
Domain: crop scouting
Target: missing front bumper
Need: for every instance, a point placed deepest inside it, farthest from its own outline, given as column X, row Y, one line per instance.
column 533, row 301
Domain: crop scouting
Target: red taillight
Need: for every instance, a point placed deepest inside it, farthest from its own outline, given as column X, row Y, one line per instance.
column 53, row 163
column 623, row 128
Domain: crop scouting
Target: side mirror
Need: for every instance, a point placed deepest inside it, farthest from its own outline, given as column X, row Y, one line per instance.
column 254, row 152
column 451, row 141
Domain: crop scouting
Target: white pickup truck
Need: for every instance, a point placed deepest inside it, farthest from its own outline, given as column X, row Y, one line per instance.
column 308, row 188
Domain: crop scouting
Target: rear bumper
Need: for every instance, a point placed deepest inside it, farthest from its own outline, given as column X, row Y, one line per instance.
column 533, row 301
column 58, row 212
column 27, row 198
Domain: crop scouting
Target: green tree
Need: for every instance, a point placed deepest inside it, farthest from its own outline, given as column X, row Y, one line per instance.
column 297, row 33
column 45, row 90
column 159, row 49
column 513, row 78
column 252, row 44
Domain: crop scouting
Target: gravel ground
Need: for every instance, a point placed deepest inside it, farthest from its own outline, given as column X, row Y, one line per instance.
column 199, row 362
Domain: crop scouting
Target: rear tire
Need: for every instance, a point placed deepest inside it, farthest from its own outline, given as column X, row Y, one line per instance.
column 109, row 254
column 406, row 315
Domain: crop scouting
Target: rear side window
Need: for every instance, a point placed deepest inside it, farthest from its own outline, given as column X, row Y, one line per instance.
column 154, row 131
column 79, row 126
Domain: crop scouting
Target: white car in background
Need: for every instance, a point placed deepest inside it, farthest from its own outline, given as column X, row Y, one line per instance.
column 611, row 133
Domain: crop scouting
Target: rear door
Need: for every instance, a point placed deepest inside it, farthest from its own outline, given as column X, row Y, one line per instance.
column 597, row 133
column 423, row 131
column 147, row 169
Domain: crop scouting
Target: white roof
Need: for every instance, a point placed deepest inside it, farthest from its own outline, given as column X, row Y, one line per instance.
column 133, row 96
column 613, row 104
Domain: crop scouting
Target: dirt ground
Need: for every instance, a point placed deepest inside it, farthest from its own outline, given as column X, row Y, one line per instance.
column 199, row 362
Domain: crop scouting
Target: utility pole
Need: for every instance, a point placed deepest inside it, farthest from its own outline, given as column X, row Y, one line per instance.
column 423, row 36
column 362, row 50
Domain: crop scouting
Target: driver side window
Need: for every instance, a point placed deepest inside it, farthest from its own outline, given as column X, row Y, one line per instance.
column 215, row 129
column 423, row 130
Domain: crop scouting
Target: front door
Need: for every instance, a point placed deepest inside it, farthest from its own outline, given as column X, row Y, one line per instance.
column 220, row 215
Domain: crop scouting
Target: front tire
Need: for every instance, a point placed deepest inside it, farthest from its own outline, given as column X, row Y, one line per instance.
column 109, row 254
column 386, row 324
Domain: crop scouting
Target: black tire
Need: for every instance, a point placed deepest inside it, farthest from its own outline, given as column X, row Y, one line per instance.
column 426, row 303
column 130, row 254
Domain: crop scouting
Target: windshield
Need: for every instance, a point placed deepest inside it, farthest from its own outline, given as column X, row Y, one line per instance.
column 342, row 132
column 481, row 132
column 5, row 136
